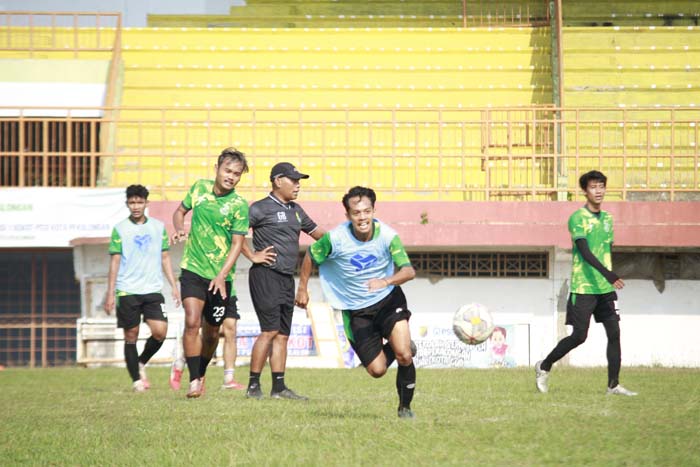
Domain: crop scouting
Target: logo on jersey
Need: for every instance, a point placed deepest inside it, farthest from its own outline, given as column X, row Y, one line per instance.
column 142, row 241
column 362, row 262
column 281, row 216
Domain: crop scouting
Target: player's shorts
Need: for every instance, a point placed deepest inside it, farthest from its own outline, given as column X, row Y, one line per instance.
column 366, row 328
column 131, row 307
column 216, row 309
column 272, row 294
column 580, row 307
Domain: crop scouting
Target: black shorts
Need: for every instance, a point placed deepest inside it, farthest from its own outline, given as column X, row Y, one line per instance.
column 580, row 307
column 131, row 307
column 366, row 328
column 216, row 309
column 273, row 298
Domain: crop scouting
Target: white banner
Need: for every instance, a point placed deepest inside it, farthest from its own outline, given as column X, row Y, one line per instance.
column 52, row 217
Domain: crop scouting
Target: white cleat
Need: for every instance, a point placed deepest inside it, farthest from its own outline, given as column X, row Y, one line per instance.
column 541, row 378
column 138, row 386
column 620, row 390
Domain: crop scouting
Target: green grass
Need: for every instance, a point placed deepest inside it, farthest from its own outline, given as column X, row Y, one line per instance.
column 74, row 416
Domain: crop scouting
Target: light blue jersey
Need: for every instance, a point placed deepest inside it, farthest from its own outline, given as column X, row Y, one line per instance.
column 140, row 247
column 347, row 264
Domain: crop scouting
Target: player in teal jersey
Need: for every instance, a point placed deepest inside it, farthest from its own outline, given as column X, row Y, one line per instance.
column 593, row 285
column 362, row 263
column 139, row 252
column 219, row 225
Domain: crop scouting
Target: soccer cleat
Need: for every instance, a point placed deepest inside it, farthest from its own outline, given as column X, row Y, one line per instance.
column 620, row 390
column 541, row 378
column 176, row 374
column 287, row 393
column 254, row 392
column 202, row 387
column 414, row 348
column 233, row 384
column 405, row 412
column 142, row 375
column 195, row 389
column 138, row 386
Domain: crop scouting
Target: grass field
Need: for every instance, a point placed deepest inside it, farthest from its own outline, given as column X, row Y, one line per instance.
column 75, row 416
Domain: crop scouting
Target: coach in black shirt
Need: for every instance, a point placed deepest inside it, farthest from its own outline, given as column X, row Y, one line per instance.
column 276, row 222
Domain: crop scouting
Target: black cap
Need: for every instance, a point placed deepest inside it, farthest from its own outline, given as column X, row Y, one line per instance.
column 285, row 169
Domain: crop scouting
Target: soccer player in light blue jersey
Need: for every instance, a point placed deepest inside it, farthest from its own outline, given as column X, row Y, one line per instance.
column 362, row 263
column 139, row 250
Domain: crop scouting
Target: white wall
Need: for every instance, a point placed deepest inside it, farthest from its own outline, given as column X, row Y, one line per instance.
column 657, row 328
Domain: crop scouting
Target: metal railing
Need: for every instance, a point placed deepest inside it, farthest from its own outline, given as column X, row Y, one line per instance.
column 485, row 13
column 35, row 34
column 418, row 154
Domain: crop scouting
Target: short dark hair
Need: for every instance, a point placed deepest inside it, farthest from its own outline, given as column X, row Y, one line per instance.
column 358, row 191
column 233, row 154
column 136, row 190
column 593, row 175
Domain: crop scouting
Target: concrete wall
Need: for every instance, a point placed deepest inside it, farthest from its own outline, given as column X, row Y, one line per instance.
column 657, row 328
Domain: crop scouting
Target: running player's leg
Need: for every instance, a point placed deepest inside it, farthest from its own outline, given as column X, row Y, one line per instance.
column 579, row 310
column 230, row 353
column 210, row 341
column 154, row 314
column 131, row 355
column 191, row 339
column 129, row 319
column 400, row 340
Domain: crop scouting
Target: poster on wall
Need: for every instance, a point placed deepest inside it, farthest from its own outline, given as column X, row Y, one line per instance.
column 438, row 347
column 52, row 217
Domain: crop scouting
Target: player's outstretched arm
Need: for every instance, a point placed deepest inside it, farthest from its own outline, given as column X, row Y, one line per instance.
column 112, row 282
column 302, row 298
column 218, row 284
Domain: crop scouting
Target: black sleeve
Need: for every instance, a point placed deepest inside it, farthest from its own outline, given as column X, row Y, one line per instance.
column 588, row 256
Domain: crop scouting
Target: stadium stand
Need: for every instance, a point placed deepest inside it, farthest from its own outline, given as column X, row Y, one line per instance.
column 363, row 14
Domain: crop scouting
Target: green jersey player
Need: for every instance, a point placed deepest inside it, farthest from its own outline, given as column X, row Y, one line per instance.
column 593, row 285
column 219, row 226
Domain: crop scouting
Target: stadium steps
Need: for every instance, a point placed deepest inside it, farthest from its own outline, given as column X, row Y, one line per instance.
column 264, row 68
column 642, row 66
column 630, row 13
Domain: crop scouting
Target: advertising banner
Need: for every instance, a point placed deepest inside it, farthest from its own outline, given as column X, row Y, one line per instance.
column 52, row 217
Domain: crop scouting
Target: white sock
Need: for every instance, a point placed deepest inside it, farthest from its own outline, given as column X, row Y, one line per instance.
column 228, row 375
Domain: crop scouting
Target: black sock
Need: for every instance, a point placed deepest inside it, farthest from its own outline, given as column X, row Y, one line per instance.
column 193, row 365
column 203, row 364
column 390, row 355
column 613, row 353
column 149, row 349
column 566, row 345
column 254, row 379
column 278, row 381
column 406, row 384
column 131, row 356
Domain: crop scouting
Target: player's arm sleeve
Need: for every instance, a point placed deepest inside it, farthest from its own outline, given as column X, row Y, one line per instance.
column 398, row 253
column 321, row 249
column 165, row 242
column 307, row 224
column 115, row 243
column 589, row 257
column 576, row 227
column 241, row 220
column 187, row 201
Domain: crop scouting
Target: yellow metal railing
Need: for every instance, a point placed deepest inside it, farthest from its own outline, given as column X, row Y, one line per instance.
column 418, row 154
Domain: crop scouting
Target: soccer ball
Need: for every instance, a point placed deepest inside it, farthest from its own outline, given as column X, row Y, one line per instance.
column 472, row 323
